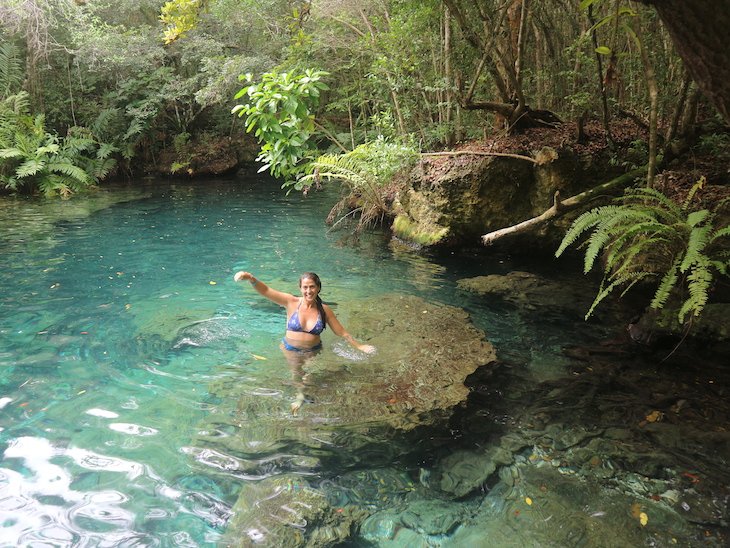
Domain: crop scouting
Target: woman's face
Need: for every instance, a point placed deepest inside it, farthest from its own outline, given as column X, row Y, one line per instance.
column 309, row 289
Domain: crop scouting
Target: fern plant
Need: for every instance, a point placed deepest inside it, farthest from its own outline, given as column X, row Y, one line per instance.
column 646, row 237
column 32, row 159
column 11, row 70
column 364, row 174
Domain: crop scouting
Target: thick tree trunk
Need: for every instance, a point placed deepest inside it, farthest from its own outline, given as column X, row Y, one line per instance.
column 699, row 30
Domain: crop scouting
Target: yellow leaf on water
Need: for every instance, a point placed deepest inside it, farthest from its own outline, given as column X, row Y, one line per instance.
column 257, row 357
column 127, row 306
column 212, row 282
column 528, row 500
column 655, row 416
column 643, row 519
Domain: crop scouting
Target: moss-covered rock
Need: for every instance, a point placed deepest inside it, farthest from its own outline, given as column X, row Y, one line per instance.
column 454, row 200
column 285, row 511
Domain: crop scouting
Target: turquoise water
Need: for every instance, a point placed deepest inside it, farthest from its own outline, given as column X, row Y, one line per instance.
column 117, row 313
column 102, row 392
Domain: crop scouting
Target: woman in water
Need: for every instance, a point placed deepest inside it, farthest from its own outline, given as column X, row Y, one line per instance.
column 307, row 317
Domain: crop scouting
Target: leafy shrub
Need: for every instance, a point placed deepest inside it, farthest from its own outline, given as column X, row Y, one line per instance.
column 32, row 159
column 365, row 173
column 280, row 109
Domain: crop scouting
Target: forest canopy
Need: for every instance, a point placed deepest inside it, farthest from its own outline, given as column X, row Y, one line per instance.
column 154, row 82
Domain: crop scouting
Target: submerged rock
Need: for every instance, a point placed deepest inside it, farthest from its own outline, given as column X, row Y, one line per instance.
column 285, row 511
column 425, row 351
column 552, row 509
column 420, row 519
column 530, row 291
column 462, row 472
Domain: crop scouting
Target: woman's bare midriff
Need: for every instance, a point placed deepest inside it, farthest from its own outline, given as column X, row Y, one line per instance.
column 302, row 340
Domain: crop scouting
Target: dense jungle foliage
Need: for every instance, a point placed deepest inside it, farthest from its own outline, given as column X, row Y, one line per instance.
column 147, row 76
column 90, row 89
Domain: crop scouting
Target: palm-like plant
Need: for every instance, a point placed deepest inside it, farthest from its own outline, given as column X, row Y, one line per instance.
column 32, row 159
column 364, row 172
column 646, row 236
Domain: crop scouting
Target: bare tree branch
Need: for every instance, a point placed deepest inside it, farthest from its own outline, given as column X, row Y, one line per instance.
column 480, row 153
column 560, row 207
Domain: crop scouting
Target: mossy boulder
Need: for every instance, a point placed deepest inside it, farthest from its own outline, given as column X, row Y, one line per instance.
column 453, row 200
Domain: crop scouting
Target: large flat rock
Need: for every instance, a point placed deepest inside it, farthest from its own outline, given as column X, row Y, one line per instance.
column 425, row 352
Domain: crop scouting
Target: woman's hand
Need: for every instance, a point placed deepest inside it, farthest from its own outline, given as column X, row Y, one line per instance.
column 243, row 275
column 367, row 348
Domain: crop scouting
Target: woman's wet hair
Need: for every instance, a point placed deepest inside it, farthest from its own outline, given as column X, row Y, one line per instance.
column 312, row 276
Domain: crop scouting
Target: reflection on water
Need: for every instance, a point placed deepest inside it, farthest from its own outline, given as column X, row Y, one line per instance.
column 122, row 334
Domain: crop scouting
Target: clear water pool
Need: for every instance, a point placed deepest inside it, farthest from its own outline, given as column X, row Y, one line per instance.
column 117, row 313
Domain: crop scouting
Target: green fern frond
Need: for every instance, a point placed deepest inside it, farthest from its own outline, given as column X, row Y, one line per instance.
column 698, row 217
column 11, row 69
column 667, row 284
column 700, row 184
column 50, row 148
column 103, row 167
column 721, row 266
column 625, row 258
column 11, row 153
column 656, row 232
column 646, row 235
column 650, row 197
column 699, row 282
column 605, row 291
column 70, row 170
column 583, row 223
column 29, row 168
column 608, row 229
column 16, row 105
column 105, row 150
column 75, row 145
column 696, row 244
column 722, row 233
column 135, row 128
column 104, row 120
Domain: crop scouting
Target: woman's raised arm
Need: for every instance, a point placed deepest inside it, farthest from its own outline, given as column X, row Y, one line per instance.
column 278, row 297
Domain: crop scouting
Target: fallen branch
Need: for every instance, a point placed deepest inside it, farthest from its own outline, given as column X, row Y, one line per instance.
column 559, row 206
column 479, row 153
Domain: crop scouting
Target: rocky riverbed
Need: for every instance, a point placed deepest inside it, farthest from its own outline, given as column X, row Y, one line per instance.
column 438, row 442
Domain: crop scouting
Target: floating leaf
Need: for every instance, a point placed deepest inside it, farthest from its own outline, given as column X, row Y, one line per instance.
column 212, row 282
column 528, row 500
column 257, row 357
column 655, row 416
column 643, row 519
